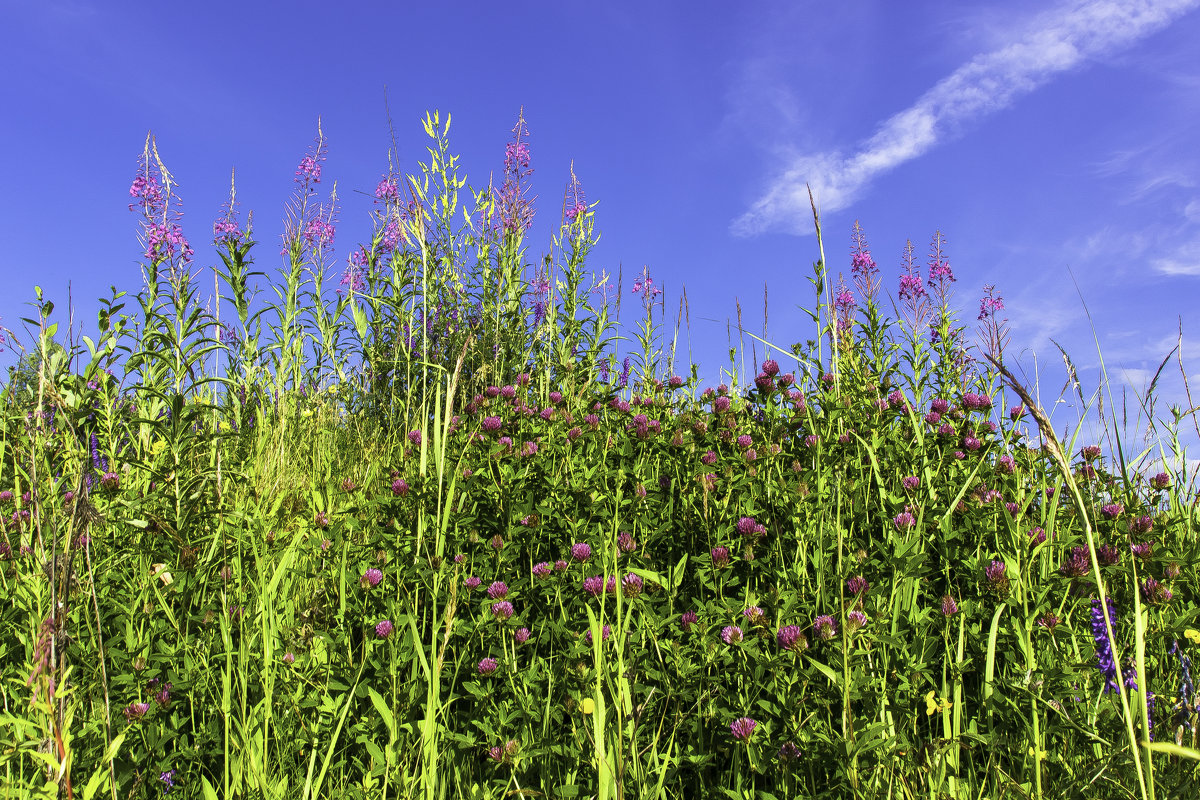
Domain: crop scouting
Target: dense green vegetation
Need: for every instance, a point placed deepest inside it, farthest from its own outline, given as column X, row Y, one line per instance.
column 432, row 527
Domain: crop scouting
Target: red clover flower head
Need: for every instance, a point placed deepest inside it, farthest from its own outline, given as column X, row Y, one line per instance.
column 732, row 634
column 498, row 590
column 502, row 610
column 824, row 627
column 1112, row 510
column 399, row 487
column 521, row 635
column 384, row 629
column 488, row 666
column 1160, row 481
column 632, row 585
column 1141, row 524
column 911, row 483
column 857, row 586
column 720, row 557
column 580, row 551
column 754, row 616
column 742, row 728
column 791, row 638
column 949, row 607
column 472, row 583
column 625, row 543
column 542, row 570
column 371, row 577
column 688, row 619
column 136, row 712
column 593, row 586
column 605, row 632
column 904, row 520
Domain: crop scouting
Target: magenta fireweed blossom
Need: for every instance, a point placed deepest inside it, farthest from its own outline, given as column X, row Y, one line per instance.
column 384, row 628
column 742, row 728
column 488, row 666
column 581, row 551
column 732, row 634
column 371, row 577
column 498, row 590
column 502, row 610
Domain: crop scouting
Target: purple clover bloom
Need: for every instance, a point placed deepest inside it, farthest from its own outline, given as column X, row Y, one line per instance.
column 791, row 638
column 742, row 728
column 371, row 577
column 384, row 628
column 688, row 619
column 498, row 590
column 732, row 634
column 502, row 610
column 488, row 666
column 593, row 586
column 581, row 551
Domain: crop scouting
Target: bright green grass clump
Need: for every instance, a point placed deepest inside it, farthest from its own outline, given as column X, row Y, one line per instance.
column 428, row 533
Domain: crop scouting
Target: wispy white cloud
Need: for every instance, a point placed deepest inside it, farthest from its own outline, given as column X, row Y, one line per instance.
column 1048, row 45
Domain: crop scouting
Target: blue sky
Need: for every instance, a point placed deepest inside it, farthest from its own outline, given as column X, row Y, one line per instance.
column 1054, row 144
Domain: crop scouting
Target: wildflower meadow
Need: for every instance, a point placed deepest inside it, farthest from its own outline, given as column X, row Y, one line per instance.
column 444, row 519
